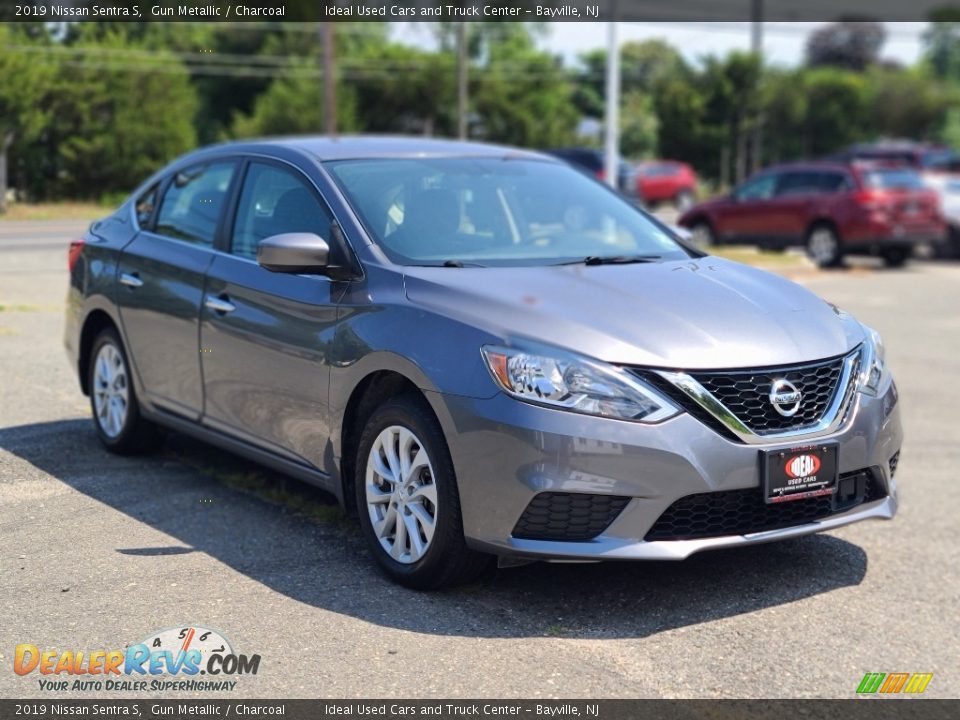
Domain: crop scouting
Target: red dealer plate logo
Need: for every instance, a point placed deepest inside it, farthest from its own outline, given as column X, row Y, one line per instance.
column 802, row 466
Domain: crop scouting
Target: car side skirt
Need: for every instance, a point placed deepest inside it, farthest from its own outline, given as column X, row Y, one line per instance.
column 266, row 458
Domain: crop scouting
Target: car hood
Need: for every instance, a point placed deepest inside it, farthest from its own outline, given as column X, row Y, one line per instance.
column 707, row 313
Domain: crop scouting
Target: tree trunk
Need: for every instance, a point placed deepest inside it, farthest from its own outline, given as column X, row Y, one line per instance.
column 741, row 161
column 4, row 147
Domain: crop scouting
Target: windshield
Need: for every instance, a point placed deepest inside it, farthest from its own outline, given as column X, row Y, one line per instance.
column 893, row 180
column 494, row 211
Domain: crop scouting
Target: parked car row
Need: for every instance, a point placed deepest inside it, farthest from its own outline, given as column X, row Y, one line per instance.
column 650, row 182
column 832, row 209
column 882, row 199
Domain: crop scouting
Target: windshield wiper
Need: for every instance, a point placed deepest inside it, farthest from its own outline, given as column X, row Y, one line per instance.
column 451, row 264
column 614, row 260
column 460, row 264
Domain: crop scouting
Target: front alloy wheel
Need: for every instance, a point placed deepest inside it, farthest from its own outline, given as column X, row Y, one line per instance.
column 401, row 494
column 407, row 498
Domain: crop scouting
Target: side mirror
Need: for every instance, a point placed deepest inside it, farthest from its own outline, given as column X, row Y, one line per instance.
column 294, row 253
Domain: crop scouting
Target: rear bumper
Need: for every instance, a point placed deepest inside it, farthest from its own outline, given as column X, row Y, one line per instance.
column 891, row 235
column 898, row 242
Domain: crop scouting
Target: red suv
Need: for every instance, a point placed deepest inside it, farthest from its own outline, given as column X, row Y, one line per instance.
column 833, row 209
column 667, row 181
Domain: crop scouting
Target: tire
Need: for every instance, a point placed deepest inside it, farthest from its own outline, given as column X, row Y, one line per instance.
column 823, row 246
column 113, row 399
column 701, row 235
column 421, row 559
column 895, row 257
column 684, row 200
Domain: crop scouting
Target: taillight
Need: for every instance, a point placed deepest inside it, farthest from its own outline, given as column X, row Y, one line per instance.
column 600, row 175
column 869, row 199
column 76, row 247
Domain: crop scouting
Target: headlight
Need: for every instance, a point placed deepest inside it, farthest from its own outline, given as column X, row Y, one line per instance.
column 576, row 384
column 874, row 366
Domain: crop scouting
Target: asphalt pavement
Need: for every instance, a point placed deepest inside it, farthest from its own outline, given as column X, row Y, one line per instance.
column 98, row 552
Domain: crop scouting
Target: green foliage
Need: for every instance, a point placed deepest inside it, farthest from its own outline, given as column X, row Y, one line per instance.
column 93, row 108
column 907, row 103
column 522, row 96
column 293, row 106
column 638, row 126
column 850, row 45
column 942, row 41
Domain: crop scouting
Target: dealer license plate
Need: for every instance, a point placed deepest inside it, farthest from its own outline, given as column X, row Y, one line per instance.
column 799, row 473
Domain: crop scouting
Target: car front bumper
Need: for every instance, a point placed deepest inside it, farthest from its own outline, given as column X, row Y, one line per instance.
column 506, row 452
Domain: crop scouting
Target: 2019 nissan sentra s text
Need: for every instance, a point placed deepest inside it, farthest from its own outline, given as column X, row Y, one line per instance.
column 481, row 351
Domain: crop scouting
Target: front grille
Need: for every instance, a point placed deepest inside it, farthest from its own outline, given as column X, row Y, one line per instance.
column 746, row 393
column 740, row 512
column 568, row 516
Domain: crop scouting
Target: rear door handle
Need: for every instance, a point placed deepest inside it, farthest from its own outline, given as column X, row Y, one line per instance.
column 131, row 280
column 219, row 305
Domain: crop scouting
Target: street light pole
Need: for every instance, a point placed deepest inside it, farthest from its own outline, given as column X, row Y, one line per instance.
column 462, row 81
column 612, row 109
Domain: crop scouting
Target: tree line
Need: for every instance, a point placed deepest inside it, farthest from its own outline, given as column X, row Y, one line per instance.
column 88, row 110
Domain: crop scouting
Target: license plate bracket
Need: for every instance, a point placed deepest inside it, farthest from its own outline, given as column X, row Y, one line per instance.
column 799, row 473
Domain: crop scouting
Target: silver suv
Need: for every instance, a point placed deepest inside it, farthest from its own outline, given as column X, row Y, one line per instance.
column 479, row 350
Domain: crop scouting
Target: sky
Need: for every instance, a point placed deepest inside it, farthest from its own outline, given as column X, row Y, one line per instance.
column 783, row 43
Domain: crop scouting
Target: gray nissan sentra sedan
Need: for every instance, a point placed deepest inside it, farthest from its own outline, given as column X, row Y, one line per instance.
column 480, row 351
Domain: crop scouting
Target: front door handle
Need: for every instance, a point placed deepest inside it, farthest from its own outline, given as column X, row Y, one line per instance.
column 220, row 305
column 131, row 280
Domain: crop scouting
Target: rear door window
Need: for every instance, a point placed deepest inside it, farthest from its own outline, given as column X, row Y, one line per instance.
column 193, row 202
column 798, row 183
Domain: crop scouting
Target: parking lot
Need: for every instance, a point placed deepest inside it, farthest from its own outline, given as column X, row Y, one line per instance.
column 97, row 551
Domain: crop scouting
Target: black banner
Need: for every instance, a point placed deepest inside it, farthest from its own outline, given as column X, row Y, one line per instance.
column 854, row 709
column 475, row 10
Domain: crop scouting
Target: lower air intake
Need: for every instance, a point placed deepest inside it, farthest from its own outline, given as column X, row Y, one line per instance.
column 741, row 512
column 568, row 516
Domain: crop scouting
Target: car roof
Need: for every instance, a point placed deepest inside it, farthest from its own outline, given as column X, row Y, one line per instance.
column 810, row 165
column 350, row 147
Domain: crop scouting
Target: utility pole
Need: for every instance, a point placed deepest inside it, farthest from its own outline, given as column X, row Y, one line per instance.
column 612, row 110
column 756, row 26
column 756, row 46
column 329, row 81
column 462, row 80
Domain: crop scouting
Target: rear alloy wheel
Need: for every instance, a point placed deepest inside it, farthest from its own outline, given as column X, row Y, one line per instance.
column 113, row 399
column 895, row 257
column 701, row 235
column 823, row 246
column 408, row 501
